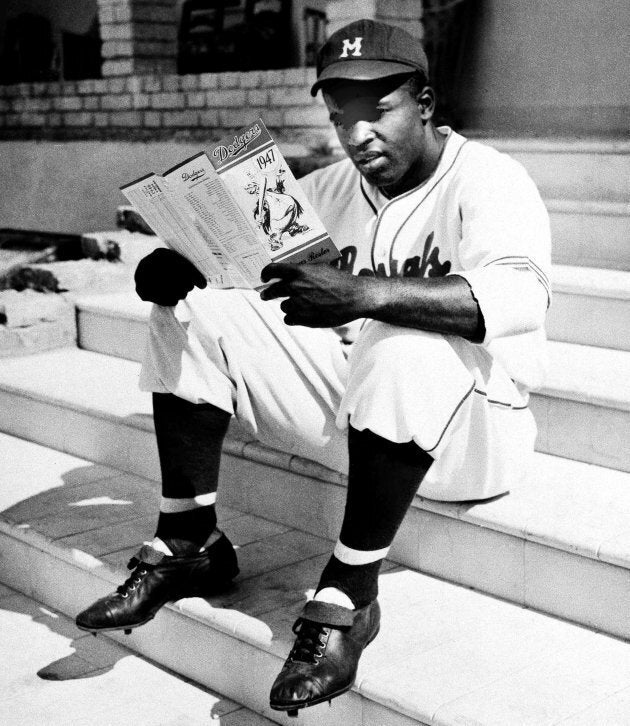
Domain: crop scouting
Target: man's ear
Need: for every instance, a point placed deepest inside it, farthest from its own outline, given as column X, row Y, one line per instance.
column 426, row 103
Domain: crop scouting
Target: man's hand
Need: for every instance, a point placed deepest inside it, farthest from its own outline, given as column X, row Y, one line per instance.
column 318, row 296
column 165, row 277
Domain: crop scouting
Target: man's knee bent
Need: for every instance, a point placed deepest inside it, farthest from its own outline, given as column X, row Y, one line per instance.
column 393, row 352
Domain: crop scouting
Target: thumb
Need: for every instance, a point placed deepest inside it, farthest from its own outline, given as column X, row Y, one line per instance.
column 199, row 280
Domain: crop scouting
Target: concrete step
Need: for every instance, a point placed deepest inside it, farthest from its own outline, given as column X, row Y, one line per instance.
column 113, row 324
column 580, row 169
column 445, row 655
column 97, row 676
column 583, row 411
column 590, row 234
column 590, row 307
column 559, row 543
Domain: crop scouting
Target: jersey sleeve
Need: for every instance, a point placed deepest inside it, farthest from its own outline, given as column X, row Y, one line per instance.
column 505, row 251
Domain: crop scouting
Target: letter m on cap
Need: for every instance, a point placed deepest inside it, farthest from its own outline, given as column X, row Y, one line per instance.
column 355, row 47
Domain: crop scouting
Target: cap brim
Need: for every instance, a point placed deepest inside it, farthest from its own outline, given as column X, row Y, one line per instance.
column 360, row 70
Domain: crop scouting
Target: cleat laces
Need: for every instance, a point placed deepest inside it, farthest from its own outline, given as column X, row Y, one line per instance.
column 136, row 577
column 310, row 643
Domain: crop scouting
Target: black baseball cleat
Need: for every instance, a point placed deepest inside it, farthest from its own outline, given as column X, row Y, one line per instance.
column 157, row 579
column 323, row 661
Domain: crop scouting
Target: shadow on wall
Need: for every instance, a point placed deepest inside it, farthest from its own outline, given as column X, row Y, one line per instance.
column 449, row 26
column 33, row 50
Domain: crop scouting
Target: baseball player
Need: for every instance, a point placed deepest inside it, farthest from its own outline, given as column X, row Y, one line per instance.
column 407, row 365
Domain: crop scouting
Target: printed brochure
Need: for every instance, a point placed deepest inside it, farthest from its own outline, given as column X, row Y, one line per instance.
column 233, row 210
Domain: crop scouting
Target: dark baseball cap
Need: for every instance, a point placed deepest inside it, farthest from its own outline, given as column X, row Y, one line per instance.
column 366, row 50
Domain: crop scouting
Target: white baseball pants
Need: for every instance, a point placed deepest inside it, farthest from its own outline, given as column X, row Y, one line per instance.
column 294, row 389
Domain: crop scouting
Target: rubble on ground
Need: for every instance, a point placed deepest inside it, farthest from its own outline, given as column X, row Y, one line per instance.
column 31, row 322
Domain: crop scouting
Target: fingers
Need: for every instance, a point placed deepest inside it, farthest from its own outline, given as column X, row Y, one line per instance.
column 282, row 270
column 277, row 289
column 281, row 274
column 287, row 306
column 199, row 280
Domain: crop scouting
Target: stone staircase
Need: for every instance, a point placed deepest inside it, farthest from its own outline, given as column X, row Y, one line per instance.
column 509, row 612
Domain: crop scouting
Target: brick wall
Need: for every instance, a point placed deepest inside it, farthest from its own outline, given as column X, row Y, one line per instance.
column 154, row 107
column 139, row 36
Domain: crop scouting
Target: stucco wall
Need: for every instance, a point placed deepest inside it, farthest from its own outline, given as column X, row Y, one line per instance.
column 557, row 67
column 73, row 186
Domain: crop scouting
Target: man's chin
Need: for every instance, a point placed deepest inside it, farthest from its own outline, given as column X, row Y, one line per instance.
column 380, row 177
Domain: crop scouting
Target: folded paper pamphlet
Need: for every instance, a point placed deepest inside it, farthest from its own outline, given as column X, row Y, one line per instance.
column 233, row 210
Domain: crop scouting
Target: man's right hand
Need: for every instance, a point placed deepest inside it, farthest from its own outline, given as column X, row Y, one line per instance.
column 165, row 277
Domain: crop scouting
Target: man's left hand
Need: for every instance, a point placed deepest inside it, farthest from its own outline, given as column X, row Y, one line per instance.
column 318, row 296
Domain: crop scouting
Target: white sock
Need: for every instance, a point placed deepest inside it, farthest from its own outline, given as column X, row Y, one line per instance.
column 161, row 546
column 335, row 597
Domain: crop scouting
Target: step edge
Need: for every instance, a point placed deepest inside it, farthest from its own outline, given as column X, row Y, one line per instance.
column 560, row 145
column 603, row 400
column 104, row 312
column 576, row 289
column 580, row 289
column 136, row 420
column 590, row 281
column 595, row 208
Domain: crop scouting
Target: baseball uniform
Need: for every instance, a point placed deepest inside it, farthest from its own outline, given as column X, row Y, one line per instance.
column 478, row 216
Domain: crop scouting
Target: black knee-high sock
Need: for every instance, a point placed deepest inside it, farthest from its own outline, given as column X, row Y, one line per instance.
column 383, row 479
column 189, row 438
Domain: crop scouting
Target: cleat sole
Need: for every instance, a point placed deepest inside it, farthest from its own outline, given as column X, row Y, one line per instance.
column 126, row 628
column 293, row 708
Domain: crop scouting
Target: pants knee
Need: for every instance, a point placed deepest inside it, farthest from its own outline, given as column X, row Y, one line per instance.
column 393, row 352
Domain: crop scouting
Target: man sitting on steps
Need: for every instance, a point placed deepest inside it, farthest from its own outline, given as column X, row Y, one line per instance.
column 442, row 287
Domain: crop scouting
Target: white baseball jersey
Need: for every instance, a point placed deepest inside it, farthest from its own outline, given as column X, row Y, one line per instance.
column 479, row 215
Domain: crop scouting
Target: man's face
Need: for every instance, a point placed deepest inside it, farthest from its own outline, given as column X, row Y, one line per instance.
column 380, row 127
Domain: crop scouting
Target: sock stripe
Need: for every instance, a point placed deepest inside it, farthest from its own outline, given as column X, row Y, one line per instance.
column 172, row 505
column 349, row 556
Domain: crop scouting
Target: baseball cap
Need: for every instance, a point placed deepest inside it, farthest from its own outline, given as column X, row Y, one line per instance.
column 366, row 50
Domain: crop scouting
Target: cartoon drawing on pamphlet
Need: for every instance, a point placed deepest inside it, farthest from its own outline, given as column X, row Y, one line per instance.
column 276, row 212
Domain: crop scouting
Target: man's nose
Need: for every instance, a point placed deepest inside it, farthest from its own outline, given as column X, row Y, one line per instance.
column 360, row 133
